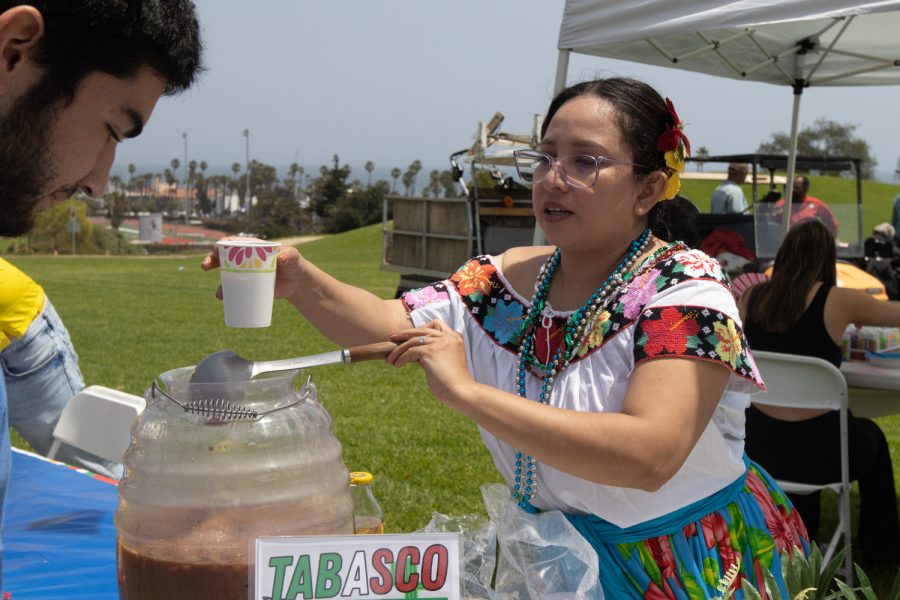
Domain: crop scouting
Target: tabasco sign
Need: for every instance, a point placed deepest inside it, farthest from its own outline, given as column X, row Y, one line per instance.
column 358, row 567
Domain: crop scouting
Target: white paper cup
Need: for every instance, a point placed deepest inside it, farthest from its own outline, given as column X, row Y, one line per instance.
column 248, row 281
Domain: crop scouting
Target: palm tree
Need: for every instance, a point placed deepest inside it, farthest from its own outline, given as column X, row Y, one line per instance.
column 170, row 181
column 414, row 169
column 175, row 164
column 293, row 173
column 131, row 169
column 235, row 168
column 702, row 152
column 409, row 181
column 395, row 175
column 434, row 183
column 370, row 166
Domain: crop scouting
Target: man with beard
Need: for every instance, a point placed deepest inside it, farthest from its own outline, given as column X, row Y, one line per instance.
column 77, row 78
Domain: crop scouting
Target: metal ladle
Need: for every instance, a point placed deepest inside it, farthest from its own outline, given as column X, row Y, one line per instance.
column 225, row 366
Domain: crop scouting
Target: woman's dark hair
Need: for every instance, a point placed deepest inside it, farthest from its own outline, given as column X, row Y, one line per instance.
column 676, row 220
column 806, row 255
column 116, row 37
column 642, row 117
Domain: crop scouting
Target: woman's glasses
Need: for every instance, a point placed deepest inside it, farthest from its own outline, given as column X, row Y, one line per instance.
column 578, row 170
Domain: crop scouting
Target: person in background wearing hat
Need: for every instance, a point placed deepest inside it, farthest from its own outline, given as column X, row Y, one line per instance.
column 729, row 197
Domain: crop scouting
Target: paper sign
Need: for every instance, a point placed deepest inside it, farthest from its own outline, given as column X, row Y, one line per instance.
column 356, row 567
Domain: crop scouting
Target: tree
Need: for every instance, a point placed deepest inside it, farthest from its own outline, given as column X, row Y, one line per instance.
column 434, row 183
column 295, row 172
column 51, row 229
column 370, row 166
column 448, row 183
column 825, row 138
column 131, row 170
column 395, row 175
column 413, row 171
column 409, row 181
column 329, row 188
column 702, row 152
column 360, row 206
column 235, row 168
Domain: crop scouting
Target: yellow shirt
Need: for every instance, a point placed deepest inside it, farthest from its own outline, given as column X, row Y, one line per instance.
column 21, row 300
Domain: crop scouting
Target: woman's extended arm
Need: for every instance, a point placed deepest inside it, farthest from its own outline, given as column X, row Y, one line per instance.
column 846, row 306
column 345, row 314
column 668, row 405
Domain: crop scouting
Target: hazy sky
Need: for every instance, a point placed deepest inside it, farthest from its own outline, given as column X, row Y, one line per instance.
column 392, row 81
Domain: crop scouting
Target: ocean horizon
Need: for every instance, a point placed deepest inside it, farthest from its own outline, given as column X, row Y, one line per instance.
column 357, row 172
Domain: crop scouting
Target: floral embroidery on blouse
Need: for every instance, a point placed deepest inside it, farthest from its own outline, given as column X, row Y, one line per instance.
column 475, row 279
column 504, row 319
column 416, row 299
column 687, row 331
column 692, row 332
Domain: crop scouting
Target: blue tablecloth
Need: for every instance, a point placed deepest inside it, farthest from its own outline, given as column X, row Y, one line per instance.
column 59, row 534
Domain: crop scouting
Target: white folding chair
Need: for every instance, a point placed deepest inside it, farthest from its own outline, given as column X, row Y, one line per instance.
column 98, row 420
column 795, row 381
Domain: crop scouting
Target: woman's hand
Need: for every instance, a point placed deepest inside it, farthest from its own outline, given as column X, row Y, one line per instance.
column 441, row 352
column 288, row 273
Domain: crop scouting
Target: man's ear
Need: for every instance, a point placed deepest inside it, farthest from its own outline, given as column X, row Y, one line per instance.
column 652, row 190
column 21, row 28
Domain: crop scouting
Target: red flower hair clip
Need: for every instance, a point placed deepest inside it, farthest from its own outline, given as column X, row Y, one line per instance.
column 676, row 147
column 673, row 136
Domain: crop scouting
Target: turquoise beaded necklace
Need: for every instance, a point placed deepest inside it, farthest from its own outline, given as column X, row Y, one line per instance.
column 578, row 327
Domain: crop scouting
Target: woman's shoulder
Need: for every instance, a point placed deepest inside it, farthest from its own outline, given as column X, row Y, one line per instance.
column 520, row 265
column 679, row 264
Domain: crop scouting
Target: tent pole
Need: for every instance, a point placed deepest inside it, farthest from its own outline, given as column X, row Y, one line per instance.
column 562, row 68
column 792, row 158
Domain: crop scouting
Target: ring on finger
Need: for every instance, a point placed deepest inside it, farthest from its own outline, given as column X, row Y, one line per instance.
column 421, row 340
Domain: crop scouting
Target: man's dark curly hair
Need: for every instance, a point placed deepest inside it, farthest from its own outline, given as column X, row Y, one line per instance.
column 117, row 37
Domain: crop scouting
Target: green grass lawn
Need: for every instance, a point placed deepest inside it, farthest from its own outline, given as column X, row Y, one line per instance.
column 133, row 318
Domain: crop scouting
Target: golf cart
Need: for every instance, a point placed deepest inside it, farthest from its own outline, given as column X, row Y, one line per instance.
column 761, row 226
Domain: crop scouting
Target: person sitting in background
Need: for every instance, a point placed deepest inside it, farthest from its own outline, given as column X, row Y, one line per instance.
column 886, row 231
column 40, row 368
column 729, row 197
column 801, row 311
column 882, row 257
column 805, row 207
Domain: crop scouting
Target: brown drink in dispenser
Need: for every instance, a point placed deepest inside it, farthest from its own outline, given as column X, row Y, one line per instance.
column 200, row 488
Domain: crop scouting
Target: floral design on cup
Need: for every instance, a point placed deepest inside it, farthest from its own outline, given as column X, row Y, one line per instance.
column 248, row 257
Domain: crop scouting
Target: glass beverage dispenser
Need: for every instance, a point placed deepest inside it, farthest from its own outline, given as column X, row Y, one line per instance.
column 202, row 484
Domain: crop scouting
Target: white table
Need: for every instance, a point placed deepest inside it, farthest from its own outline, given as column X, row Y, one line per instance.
column 871, row 386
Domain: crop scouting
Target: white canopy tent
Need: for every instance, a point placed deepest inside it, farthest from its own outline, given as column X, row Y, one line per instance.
column 798, row 44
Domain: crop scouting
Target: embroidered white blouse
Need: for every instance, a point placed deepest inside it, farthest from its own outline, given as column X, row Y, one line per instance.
column 680, row 305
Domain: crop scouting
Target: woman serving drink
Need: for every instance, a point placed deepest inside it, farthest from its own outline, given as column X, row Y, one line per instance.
column 607, row 373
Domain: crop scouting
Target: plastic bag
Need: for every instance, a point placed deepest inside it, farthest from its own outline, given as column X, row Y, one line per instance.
column 518, row 555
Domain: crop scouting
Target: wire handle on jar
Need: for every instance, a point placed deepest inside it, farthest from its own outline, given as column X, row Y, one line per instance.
column 219, row 410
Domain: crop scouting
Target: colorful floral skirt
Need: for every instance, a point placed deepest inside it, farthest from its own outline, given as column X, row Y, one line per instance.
column 752, row 530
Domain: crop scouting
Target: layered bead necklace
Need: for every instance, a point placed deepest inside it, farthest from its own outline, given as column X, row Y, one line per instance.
column 577, row 329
